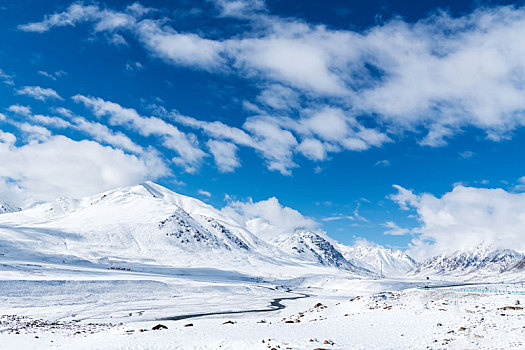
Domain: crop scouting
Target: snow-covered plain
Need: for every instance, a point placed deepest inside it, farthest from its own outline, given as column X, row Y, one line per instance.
column 102, row 272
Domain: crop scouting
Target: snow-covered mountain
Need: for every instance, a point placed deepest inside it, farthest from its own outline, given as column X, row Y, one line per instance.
column 478, row 261
column 149, row 224
column 7, row 208
column 311, row 246
column 373, row 257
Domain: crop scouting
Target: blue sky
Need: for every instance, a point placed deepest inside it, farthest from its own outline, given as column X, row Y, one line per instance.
column 323, row 105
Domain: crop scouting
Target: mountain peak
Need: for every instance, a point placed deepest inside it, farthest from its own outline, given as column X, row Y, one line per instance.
column 7, row 208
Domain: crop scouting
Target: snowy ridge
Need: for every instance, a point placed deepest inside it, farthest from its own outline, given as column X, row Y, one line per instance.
column 478, row 261
column 376, row 258
column 149, row 224
column 7, row 208
column 311, row 246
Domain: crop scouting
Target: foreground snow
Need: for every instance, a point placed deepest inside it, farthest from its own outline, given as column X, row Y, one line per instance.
column 54, row 306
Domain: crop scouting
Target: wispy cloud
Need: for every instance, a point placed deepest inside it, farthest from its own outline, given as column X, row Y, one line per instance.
column 52, row 76
column 39, row 93
column 189, row 155
column 204, row 193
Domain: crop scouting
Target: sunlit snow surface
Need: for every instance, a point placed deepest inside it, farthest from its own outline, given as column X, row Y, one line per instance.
column 101, row 272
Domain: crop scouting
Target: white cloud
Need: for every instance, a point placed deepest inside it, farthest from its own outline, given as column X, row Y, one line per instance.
column 466, row 154
column 225, row 155
column 77, row 13
column 51, row 121
column 34, row 132
column 19, row 109
column 403, row 197
column 395, row 230
column 435, row 77
column 6, row 78
column 312, row 149
column 52, row 76
column 217, row 130
column 204, row 193
column 239, row 8
column 39, row 93
column 102, row 133
column 267, row 219
column 279, row 97
column 275, row 144
column 337, row 218
column 63, row 112
column 383, row 163
column 465, row 218
column 186, row 49
column 186, row 145
column 133, row 66
column 60, row 166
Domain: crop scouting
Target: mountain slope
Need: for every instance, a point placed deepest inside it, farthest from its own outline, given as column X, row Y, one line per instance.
column 481, row 260
column 392, row 262
column 147, row 224
column 310, row 246
column 7, row 208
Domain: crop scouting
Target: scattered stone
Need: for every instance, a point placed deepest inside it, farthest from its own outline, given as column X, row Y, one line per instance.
column 159, row 327
column 462, row 329
column 328, row 342
column 512, row 308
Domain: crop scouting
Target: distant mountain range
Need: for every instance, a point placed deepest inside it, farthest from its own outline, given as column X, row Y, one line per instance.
column 149, row 224
column 477, row 261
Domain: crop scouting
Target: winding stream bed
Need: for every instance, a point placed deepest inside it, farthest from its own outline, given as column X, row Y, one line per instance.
column 275, row 305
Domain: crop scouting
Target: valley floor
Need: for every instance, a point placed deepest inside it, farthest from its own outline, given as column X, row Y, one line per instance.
column 47, row 306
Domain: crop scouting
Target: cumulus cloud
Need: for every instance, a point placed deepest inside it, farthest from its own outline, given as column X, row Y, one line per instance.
column 60, row 166
column 268, row 219
column 39, row 93
column 464, row 218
